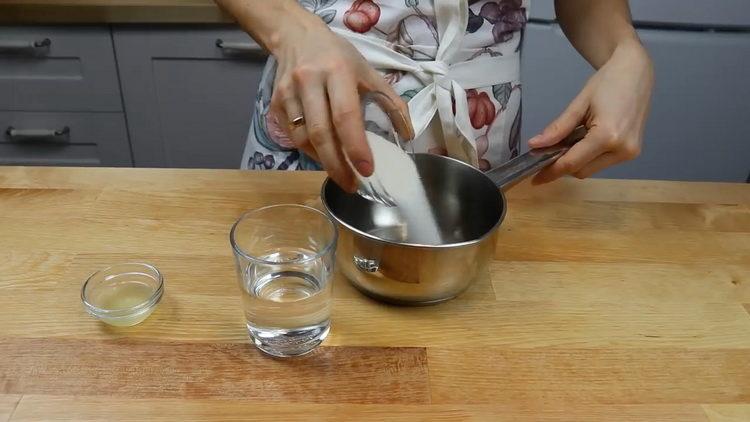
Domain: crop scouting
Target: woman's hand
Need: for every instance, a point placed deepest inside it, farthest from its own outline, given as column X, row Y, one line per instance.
column 320, row 77
column 319, row 80
column 613, row 106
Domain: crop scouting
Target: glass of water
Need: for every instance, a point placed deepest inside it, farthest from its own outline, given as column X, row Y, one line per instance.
column 285, row 258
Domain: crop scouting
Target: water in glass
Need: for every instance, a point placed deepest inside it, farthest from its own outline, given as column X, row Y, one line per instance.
column 287, row 305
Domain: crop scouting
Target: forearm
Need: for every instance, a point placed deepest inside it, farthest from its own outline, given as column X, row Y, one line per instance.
column 268, row 20
column 596, row 27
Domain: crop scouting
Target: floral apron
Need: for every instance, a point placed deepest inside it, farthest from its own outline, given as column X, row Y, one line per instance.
column 456, row 62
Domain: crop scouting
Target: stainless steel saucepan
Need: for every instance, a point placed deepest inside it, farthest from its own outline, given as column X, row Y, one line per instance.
column 383, row 260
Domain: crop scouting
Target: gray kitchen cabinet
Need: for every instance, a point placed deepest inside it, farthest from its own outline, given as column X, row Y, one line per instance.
column 64, row 139
column 675, row 13
column 698, row 125
column 60, row 100
column 188, row 93
column 58, row 69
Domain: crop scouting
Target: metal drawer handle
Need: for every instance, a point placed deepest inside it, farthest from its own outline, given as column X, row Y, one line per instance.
column 24, row 45
column 36, row 134
column 239, row 47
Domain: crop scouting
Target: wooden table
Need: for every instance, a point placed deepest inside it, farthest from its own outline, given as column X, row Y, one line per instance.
column 111, row 11
column 607, row 301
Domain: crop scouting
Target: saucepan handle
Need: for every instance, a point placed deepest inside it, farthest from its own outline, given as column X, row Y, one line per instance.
column 519, row 168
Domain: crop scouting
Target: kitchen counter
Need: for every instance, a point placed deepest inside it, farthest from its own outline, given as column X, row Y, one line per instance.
column 111, row 11
column 607, row 301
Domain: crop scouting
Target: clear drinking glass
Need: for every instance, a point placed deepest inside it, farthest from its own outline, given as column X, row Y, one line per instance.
column 285, row 257
column 381, row 118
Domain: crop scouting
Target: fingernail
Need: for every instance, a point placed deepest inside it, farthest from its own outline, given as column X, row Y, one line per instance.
column 535, row 139
column 364, row 167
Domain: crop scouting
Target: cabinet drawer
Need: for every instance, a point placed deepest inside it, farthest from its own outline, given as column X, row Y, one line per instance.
column 64, row 139
column 58, row 69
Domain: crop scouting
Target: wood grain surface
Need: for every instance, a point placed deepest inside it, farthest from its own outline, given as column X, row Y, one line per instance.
column 111, row 11
column 607, row 301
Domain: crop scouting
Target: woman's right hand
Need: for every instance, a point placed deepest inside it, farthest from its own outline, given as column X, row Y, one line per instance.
column 320, row 77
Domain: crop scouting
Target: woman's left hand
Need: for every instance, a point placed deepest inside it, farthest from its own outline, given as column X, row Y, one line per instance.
column 613, row 106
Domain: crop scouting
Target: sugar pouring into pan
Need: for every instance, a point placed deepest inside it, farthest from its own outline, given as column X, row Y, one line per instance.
column 392, row 258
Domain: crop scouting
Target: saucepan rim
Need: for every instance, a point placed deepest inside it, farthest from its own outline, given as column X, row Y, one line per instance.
column 488, row 233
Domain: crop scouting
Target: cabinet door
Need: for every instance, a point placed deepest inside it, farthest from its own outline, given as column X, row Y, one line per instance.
column 188, row 94
column 57, row 69
column 698, row 126
column 674, row 13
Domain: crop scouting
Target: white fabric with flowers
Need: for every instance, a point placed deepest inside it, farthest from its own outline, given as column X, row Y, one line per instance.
column 455, row 61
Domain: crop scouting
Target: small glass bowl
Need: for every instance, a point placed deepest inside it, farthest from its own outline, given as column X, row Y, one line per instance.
column 124, row 294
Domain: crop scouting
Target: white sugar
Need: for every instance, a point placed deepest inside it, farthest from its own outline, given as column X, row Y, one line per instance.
column 398, row 174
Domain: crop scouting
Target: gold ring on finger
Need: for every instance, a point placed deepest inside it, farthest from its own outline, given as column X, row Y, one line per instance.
column 297, row 122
